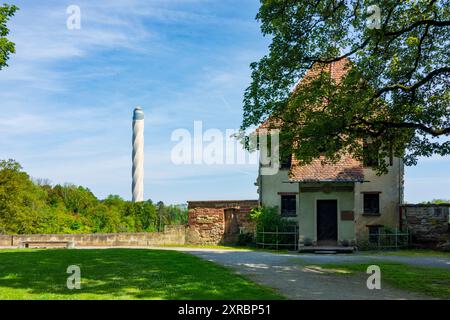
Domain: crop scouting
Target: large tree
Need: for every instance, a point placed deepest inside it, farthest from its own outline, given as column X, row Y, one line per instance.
column 395, row 93
column 6, row 46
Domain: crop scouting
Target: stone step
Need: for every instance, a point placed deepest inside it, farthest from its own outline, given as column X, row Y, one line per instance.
column 326, row 250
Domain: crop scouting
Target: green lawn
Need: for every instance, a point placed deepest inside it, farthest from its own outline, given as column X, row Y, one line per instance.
column 121, row 274
column 413, row 253
column 206, row 246
column 434, row 282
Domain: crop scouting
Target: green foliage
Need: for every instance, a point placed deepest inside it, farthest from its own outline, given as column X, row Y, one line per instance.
column 395, row 93
column 268, row 219
column 28, row 207
column 6, row 47
column 437, row 201
column 246, row 239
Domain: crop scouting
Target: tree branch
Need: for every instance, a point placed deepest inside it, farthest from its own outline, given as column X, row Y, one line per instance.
column 419, row 83
column 433, row 131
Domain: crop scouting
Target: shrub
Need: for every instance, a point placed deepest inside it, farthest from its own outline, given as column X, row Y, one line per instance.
column 246, row 239
column 267, row 219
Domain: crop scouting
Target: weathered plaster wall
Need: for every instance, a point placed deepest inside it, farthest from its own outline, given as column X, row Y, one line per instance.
column 307, row 216
column 271, row 185
column 172, row 235
column 390, row 186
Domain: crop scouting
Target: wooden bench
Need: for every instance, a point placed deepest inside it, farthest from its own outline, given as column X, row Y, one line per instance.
column 46, row 244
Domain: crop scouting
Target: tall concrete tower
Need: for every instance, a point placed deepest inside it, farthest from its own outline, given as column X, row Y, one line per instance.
column 138, row 155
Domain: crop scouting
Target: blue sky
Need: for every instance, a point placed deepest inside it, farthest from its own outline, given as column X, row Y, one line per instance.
column 67, row 97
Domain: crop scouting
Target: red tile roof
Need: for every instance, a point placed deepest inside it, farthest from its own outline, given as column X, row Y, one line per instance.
column 347, row 169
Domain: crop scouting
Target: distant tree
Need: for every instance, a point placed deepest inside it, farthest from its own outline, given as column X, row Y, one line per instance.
column 395, row 94
column 148, row 216
column 21, row 201
column 161, row 215
column 76, row 198
column 437, row 201
column 176, row 214
column 35, row 206
column 6, row 47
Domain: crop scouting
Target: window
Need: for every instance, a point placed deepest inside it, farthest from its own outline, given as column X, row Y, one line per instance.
column 370, row 155
column 286, row 162
column 288, row 205
column 372, row 203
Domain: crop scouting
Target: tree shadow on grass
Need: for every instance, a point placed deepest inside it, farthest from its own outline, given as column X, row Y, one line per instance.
column 120, row 274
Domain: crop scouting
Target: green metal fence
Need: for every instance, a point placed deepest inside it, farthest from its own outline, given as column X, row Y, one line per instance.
column 391, row 240
column 277, row 239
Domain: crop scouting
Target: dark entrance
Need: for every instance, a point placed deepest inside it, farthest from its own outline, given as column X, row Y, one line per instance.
column 327, row 222
column 231, row 225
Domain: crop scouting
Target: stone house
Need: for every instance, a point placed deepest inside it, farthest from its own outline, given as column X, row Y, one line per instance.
column 332, row 203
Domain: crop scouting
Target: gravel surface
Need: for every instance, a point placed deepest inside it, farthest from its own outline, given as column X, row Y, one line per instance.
column 294, row 276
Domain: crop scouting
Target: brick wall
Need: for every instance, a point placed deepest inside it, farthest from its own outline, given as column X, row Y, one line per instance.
column 207, row 220
column 172, row 235
column 427, row 223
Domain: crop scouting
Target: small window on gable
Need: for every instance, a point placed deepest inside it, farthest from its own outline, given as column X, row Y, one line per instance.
column 371, row 203
column 286, row 162
column 370, row 155
column 288, row 205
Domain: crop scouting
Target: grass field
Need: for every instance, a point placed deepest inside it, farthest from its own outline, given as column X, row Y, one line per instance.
column 414, row 253
column 121, row 274
column 434, row 282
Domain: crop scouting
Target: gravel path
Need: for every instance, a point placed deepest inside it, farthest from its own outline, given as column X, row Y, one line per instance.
column 292, row 275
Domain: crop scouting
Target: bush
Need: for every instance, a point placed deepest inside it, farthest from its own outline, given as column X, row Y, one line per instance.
column 267, row 219
column 246, row 239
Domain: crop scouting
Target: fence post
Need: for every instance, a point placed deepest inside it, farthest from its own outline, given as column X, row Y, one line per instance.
column 396, row 246
column 379, row 237
column 263, row 242
column 295, row 238
column 277, row 237
column 408, row 238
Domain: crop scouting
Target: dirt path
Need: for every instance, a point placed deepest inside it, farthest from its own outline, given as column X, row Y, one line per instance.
column 291, row 276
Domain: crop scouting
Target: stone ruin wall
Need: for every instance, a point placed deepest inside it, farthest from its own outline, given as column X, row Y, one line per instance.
column 207, row 220
column 427, row 223
column 172, row 235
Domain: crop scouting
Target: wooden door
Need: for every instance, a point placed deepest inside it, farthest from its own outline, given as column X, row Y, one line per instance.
column 327, row 222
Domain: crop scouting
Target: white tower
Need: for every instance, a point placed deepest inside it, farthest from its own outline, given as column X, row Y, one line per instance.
column 138, row 155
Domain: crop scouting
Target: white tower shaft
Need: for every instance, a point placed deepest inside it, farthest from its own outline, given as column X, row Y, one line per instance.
column 138, row 155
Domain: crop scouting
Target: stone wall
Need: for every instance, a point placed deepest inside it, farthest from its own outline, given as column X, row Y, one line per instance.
column 427, row 223
column 172, row 235
column 208, row 225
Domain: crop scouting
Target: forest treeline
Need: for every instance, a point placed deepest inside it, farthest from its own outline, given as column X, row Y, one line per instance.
column 30, row 206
